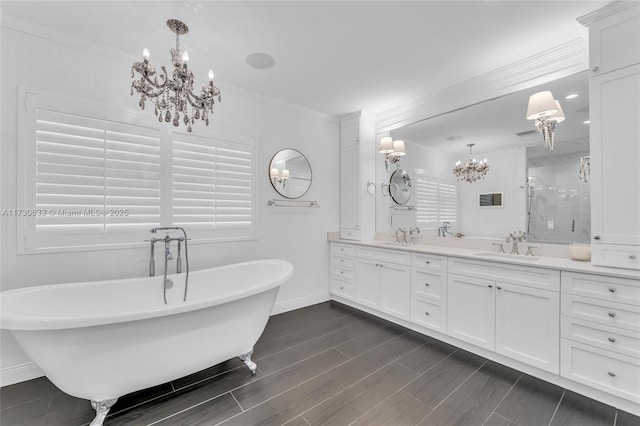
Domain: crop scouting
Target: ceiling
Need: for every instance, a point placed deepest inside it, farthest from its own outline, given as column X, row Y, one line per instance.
column 333, row 57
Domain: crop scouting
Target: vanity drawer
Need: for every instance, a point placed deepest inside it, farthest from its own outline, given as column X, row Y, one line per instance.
column 429, row 284
column 603, row 336
column 602, row 287
column 343, row 288
column 429, row 261
column 429, row 314
column 393, row 256
column 542, row 278
column 616, row 256
column 344, row 273
column 343, row 262
column 601, row 369
column 602, row 312
column 342, row 250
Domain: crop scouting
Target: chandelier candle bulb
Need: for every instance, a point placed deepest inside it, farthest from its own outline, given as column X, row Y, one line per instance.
column 211, row 76
column 146, row 54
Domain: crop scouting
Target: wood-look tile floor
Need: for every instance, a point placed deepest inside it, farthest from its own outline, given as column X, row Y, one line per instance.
column 329, row 364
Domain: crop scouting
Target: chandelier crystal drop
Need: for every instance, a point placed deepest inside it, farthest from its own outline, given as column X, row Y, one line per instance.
column 472, row 170
column 173, row 98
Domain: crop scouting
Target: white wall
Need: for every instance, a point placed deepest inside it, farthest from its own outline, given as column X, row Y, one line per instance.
column 507, row 174
column 73, row 68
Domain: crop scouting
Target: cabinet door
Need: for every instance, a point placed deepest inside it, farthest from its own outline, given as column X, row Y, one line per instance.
column 614, row 42
column 368, row 282
column 471, row 310
column 615, row 155
column 349, row 195
column 395, row 290
column 527, row 325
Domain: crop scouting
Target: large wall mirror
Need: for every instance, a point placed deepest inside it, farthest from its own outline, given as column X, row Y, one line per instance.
column 547, row 198
column 290, row 173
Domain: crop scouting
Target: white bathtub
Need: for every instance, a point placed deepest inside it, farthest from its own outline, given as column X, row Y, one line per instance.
column 101, row 340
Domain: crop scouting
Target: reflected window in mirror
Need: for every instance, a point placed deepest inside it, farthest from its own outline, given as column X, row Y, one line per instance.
column 436, row 201
column 290, row 173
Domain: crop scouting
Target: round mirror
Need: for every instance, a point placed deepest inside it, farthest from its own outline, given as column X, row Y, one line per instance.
column 400, row 186
column 290, row 173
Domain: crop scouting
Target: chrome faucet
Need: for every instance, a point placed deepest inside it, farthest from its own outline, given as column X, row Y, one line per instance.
column 411, row 231
column 516, row 237
column 444, row 230
column 168, row 256
column 404, row 235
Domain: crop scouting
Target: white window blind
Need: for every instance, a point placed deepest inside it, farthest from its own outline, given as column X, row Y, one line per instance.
column 436, row 200
column 93, row 180
column 213, row 185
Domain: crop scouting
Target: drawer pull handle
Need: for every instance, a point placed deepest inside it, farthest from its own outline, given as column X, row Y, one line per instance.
column 612, row 314
column 612, row 289
column 611, row 374
column 499, row 288
column 426, row 284
column 633, row 257
column 427, row 262
column 612, row 339
column 426, row 313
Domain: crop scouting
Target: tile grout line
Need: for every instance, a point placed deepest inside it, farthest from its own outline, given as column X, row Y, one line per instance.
column 564, row 391
column 502, row 400
column 187, row 409
column 237, row 402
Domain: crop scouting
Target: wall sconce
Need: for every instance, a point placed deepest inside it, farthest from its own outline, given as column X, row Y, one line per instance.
column 547, row 113
column 277, row 177
column 392, row 150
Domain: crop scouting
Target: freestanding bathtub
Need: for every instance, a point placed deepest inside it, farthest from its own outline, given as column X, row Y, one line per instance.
column 101, row 340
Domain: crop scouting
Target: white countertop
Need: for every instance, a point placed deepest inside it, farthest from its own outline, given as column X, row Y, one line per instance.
column 491, row 255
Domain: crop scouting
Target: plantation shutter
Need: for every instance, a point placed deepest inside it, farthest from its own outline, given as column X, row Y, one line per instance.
column 213, row 183
column 436, row 201
column 94, row 175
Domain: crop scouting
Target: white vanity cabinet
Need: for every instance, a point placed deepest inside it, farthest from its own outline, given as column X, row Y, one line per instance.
column 512, row 310
column 601, row 333
column 429, row 291
column 342, row 265
column 383, row 280
column 357, row 167
column 614, row 104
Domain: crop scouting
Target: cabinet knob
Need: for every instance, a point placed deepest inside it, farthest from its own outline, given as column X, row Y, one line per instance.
column 612, row 339
column 632, row 257
column 595, row 68
column 341, row 288
column 612, row 314
column 612, row 289
column 341, row 272
column 426, row 313
column 611, row 374
column 490, row 286
column 426, row 284
column 499, row 288
column 597, row 237
column 341, row 260
column 427, row 262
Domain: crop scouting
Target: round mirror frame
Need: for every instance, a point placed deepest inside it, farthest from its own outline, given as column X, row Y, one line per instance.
column 274, row 182
column 402, row 177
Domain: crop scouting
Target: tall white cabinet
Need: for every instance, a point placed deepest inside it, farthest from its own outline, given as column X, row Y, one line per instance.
column 357, row 168
column 614, row 103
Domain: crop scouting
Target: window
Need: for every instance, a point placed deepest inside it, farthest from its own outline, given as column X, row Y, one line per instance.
column 94, row 178
column 436, row 200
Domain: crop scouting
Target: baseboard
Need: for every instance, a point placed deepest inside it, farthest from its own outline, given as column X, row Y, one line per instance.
column 19, row 373
column 301, row 302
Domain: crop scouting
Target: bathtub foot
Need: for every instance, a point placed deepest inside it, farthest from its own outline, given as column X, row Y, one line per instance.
column 102, row 408
column 246, row 358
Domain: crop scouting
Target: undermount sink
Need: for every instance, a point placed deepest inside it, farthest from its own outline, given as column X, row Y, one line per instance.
column 508, row 256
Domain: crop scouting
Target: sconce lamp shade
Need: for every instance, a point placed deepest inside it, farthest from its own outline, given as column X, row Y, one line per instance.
column 386, row 145
column 398, row 147
column 558, row 116
column 541, row 104
column 275, row 173
column 285, row 174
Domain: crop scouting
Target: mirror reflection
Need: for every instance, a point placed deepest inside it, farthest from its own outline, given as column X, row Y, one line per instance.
column 290, row 173
column 400, row 187
column 548, row 198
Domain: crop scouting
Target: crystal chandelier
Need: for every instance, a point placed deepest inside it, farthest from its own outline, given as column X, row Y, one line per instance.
column 472, row 170
column 547, row 113
column 174, row 96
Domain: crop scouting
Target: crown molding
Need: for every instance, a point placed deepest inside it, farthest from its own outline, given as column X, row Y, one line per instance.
column 551, row 64
column 608, row 10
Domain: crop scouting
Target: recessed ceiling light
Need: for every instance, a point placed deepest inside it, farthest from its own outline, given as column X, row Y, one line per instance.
column 571, row 96
column 586, row 122
column 261, row 61
column 453, row 138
